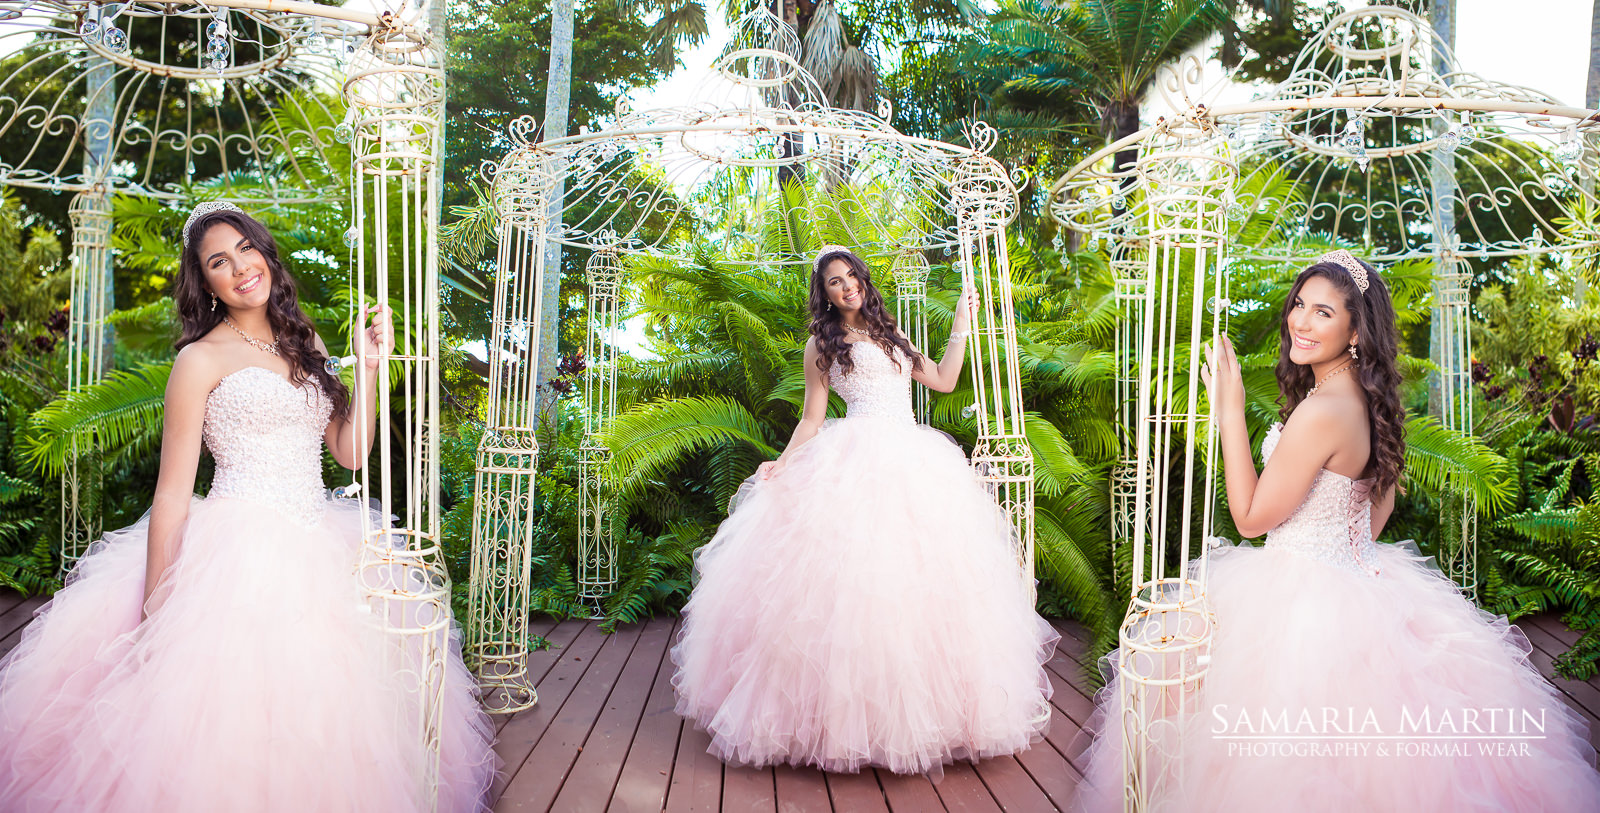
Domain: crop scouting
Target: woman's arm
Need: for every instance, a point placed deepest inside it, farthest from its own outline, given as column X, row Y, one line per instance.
column 1382, row 510
column 342, row 436
column 192, row 379
column 944, row 376
column 812, row 414
column 1260, row 503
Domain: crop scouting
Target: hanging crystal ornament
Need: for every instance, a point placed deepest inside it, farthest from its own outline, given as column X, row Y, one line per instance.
column 1449, row 140
column 115, row 39
column 345, row 132
column 352, row 236
column 1571, row 147
column 89, row 30
column 1269, row 126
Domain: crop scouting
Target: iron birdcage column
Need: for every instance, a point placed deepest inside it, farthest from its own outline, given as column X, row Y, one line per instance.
column 597, row 544
column 1001, row 455
column 911, row 311
column 508, row 454
column 87, row 360
column 396, row 94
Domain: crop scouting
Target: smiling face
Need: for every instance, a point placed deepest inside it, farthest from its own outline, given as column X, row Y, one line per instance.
column 1320, row 323
column 235, row 269
column 843, row 287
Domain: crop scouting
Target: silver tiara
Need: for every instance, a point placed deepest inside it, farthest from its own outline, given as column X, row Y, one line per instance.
column 816, row 264
column 1348, row 261
column 204, row 209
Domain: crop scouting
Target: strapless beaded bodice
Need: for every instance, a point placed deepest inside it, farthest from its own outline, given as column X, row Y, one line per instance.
column 1333, row 524
column 874, row 388
column 266, row 435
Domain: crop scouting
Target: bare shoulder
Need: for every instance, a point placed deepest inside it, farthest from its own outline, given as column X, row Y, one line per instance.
column 1325, row 422
column 196, row 369
column 316, row 341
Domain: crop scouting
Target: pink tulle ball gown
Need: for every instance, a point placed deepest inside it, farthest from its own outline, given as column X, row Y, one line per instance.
column 865, row 605
column 260, row 682
column 1353, row 676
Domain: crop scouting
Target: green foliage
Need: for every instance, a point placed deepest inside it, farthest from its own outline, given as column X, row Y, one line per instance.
column 34, row 285
column 122, row 412
column 30, row 503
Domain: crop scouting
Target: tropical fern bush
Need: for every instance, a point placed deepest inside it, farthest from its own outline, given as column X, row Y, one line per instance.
column 1535, row 369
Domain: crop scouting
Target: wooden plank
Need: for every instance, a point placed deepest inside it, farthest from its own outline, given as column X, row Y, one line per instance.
column 549, row 762
column 1551, row 623
column 696, row 775
column 540, row 660
column 9, row 599
column 1051, row 771
column 1070, row 694
column 589, row 785
column 748, row 789
column 858, row 792
column 962, row 790
column 1065, row 734
column 1012, row 787
column 1584, row 696
column 801, row 790
column 525, row 728
column 18, row 616
column 647, row 772
column 909, row 793
column 10, row 641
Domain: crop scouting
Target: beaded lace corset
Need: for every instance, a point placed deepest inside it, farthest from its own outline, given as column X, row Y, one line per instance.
column 1333, row 524
column 874, row 388
column 266, row 435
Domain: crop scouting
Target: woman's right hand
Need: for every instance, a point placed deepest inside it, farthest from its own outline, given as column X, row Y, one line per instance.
column 770, row 469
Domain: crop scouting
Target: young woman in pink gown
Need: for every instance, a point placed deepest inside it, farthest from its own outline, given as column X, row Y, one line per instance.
column 215, row 656
column 1364, row 678
column 862, row 604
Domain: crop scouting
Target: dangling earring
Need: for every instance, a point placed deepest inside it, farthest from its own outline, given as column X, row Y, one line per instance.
column 1353, row 355
column 213, row 303
column 830, row 306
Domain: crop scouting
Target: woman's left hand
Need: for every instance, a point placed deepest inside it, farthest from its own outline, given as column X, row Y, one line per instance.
column 1221, row 374
column 966, row 308
column 377, row 340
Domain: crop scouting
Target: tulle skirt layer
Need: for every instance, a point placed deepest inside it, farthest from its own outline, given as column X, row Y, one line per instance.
column 864, row 607
column 1331, row 690
column 258, row 683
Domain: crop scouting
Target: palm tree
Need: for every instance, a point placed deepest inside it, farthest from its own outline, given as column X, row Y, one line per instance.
column 1098, row 57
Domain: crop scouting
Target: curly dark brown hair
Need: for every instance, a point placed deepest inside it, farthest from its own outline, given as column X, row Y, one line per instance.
column 296, row 335
column 1372, row 317
column 827, row 324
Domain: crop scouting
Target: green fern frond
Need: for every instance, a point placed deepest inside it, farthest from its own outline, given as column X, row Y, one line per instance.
column 121, row 409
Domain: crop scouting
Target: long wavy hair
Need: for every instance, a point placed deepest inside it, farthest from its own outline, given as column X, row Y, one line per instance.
column 296, row 336
column 827, row 324
column 1372, row 317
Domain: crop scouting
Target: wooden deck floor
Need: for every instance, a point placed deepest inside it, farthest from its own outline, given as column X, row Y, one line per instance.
column 603, row 736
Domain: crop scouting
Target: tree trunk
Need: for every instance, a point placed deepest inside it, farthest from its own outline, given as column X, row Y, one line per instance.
column 1124, row 119
column 1591, row 95
column 791, row 147
column 1442, row 179
column 557, row 97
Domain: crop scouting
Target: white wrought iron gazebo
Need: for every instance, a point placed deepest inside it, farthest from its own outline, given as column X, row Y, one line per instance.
column 264, row 103
column 718, row 166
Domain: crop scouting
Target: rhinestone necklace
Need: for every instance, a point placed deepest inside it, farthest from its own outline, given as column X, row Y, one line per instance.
column 1313, row 390
column 270, row 347
column 866, row 333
